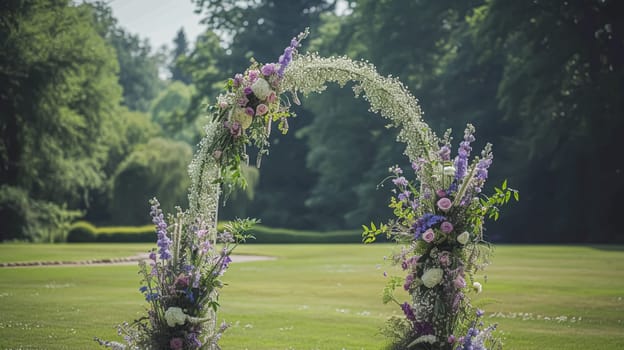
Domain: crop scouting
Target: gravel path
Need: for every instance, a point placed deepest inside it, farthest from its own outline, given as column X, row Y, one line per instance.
column 132, row 260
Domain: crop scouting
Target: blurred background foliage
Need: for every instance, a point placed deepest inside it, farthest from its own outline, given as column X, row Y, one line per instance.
column 94, row 122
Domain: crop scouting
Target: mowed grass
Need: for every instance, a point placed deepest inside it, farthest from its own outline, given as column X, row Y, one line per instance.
column 315, row 297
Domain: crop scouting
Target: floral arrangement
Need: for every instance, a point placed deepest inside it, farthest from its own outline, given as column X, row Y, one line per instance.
column 182, row 278
column 439, row 221
column 251, row 103
column 180, row 283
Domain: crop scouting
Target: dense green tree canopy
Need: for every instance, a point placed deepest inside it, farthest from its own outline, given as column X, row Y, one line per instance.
column 58, row 100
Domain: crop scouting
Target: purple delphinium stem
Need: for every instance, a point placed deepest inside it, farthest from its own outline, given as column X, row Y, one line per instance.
column 164, row 243
column 287, row 56
column 461, row 161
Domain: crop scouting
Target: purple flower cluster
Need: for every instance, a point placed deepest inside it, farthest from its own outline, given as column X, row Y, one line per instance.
column 482, row 171
column 461, row 161
column 286, row 57
column 158, row 219
column 424, row 222
column 407, row 310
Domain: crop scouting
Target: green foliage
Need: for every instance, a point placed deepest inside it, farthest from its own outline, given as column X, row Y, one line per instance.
column 169, row 110
column 24, row 218
column 179, row 52
column 157, row 168
column 81, row 232
column 138, row 73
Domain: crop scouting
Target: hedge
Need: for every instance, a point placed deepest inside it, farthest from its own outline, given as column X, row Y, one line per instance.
column 265, row 234
column 83, row 231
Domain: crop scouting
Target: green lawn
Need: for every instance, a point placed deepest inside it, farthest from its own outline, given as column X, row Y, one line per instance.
column 314, row 297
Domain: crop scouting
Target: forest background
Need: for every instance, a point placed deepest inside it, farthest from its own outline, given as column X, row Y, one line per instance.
column 94, row 121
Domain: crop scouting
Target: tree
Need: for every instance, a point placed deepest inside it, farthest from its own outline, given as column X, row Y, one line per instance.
column 138, row 74
column 170, row 110
column 58, row 101
column 157, row 168
column 562, row 83
column 180, row 50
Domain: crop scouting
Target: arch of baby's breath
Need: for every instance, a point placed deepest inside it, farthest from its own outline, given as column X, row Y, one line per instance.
column 311, row 73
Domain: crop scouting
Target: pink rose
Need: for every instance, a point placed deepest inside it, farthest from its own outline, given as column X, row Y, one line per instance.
column 441, row 193
column 176, row 343
column 253, row 75
column 272, row 97
column 428, row 236
column 444, row 204
column 262, row 109
column 446, row 227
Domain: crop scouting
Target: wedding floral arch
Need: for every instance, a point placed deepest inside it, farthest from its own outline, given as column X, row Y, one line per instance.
column 439, row 214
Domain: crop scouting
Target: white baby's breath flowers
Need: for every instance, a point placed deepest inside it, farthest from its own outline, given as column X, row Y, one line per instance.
column 478, row 288
column 175, row 316
column 432, row 277
column 463, row 238
column 261, row 89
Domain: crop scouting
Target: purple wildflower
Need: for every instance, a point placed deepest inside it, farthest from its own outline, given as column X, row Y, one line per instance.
column 408, row 282
column 461, row 161
column 161, row 229
column 417, row 165
column 445, row 153
column 403, row 196
column 192, row 339
column 400, row 181
column 407, row 310
column 286, row 58
column 425, row 222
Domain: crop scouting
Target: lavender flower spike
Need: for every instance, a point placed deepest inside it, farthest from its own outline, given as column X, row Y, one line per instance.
column 286, row 58
column 164, row 243
column 461, row 161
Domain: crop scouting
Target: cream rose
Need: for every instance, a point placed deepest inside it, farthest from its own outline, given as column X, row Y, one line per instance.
column 261, row 89
column 175, row 316
column 463, row 238
column 239, row 115
column 432, row 277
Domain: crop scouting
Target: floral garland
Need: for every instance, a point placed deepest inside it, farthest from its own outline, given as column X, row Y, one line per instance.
column 439, row 222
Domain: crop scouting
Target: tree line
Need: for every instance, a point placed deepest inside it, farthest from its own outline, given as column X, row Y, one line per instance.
column 90, row 130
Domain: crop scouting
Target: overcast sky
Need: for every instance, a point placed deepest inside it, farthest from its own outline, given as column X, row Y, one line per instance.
column 157, row 20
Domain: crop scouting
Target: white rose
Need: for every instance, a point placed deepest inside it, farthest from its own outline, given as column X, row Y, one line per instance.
column 432, row 277
column 463, row 238
column 477, row 287
column 175, row 316
column 261, row 89
column 449, row 170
